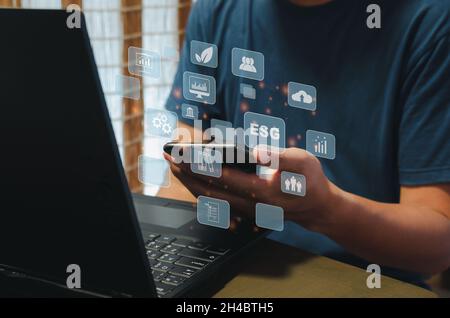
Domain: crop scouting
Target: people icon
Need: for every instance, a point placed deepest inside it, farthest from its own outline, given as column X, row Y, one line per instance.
column 293, row 185
column 248, row 65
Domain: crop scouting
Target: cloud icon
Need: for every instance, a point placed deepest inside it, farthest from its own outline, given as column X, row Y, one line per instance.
column 302, row 97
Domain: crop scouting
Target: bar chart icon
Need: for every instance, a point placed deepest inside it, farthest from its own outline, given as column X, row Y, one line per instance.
column 321, row 144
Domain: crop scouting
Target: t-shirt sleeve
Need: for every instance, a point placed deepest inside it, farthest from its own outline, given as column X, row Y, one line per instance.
column 424, row 135
column 198, row 28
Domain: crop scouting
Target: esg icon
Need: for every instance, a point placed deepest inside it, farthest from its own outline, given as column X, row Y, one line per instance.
column 264, row 129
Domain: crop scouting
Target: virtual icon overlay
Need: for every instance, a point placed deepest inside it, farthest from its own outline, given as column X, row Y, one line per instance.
column 264, row 130
column 199, row 88
column 128, row 87
column 206, row 161
column 293, row 183
column 321, row 144
column 247, row 64
column 213, row 212
column 248, row 91
column 204, row 54
column 302, row 96
column 144, row 63
column 189, row 111
column 160, row 123
column 153, row 171
column 269, row 217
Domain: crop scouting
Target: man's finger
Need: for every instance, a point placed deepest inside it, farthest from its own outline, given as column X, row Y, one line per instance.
column 291, row 159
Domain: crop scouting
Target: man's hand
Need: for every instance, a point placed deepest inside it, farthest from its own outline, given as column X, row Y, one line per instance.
column 413, row 235
column 243, row 190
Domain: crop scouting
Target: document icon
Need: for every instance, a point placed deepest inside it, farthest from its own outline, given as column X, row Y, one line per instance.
column 213, row 212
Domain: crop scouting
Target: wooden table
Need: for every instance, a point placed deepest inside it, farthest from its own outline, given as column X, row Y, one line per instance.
column 275, row 270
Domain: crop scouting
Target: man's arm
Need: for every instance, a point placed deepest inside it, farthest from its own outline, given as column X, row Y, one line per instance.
column 414, row 234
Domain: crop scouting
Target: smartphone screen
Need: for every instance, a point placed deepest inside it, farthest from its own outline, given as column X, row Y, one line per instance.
column 238, row 157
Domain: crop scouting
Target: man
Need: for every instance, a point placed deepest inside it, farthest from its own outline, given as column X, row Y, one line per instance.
column 383, row 93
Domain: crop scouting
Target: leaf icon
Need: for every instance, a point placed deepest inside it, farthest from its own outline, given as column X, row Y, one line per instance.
column 198, row 58
column 207, row 55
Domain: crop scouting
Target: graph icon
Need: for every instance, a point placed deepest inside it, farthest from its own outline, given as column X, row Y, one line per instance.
column 321, row 144
column 199, row 88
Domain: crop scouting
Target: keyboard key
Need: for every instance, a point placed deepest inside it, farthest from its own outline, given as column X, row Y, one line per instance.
column 166, row 239
column 198, row 246
column 190, row 262
column 153, row 254
column 217, row 250
column 182, row 242
column 183, row 271
column 157, row 276
column 163, row 289
column 155, row 246
column 162, row 267
column 173, row 280
column 199, row 255
column 153, row 262
column 170, row 249
column 152, row 236
column 168, row 258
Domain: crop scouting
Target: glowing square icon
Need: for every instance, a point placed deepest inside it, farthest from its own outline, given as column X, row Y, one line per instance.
column 302, row 96
column 321, row 144
column 204, row 54
column 293, row 183
column 189, row 111
column 160, row 123
column 128, row 87
column 269, row 217
column 199, row 88
column 213, row 212
column 206, row 161
column 143, row 62
column 152, row 171
column 248, row 91
column 264, row 130
column 248, row 64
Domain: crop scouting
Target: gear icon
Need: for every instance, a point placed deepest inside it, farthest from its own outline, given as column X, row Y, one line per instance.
column 166, row 128
column 157, row 123
column 162, row 123
column 163, row 118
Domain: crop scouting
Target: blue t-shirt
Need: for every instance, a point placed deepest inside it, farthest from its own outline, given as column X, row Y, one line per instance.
column 384, row 93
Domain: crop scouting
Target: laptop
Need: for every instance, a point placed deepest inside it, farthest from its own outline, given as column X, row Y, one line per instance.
column 64, row 196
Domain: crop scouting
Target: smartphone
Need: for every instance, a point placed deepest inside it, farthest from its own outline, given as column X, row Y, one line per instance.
column 235, row 156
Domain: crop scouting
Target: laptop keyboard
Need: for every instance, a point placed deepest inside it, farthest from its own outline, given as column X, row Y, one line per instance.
column 174, row 260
